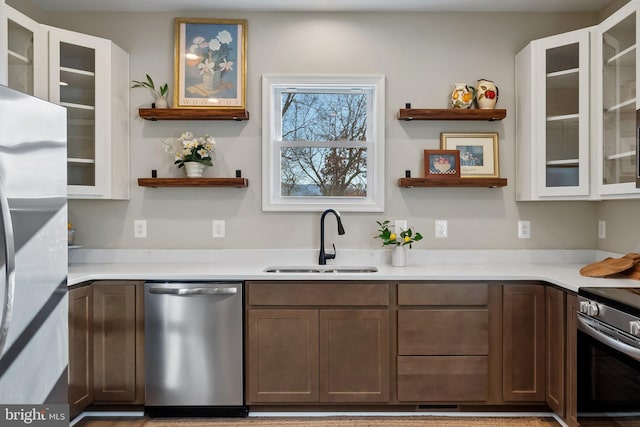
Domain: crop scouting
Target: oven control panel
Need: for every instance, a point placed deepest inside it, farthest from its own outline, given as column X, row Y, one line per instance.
column 589, row 308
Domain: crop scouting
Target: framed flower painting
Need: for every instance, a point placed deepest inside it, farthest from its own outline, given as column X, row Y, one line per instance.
column 210, row 63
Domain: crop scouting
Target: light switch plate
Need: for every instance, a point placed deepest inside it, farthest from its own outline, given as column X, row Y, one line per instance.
column 218, row 228
column 602, row 229
column 524, row 229
column 140, row 229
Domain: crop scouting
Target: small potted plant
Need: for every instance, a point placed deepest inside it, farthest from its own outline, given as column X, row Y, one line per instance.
column 399, row 241
column 159, row 94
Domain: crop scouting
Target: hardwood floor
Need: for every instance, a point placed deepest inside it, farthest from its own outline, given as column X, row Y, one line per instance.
column 329, row 421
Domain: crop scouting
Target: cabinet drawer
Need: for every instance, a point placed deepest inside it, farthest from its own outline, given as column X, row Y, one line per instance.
column 450, row 332
column 443, row 294
column 443, row 378
column 318, row 294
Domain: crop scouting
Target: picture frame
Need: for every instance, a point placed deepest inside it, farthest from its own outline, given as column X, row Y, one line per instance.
column 479, row 157
column 442, row 164
column 210, row 63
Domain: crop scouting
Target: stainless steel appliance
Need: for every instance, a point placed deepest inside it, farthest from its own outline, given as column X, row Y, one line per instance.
column 638, row 149
column 194, row 349
column 33, row 251
column 608, row 356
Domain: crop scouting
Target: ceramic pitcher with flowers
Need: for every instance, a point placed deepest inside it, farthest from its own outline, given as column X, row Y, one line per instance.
column 462, row 96
column 487, row 94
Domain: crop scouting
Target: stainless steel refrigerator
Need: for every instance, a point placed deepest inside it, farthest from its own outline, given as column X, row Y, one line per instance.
column 33, row 251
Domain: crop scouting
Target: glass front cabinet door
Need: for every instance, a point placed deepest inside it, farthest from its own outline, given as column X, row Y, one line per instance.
column 616, row 74
column 25, row 69
column 552, row 115
column 89, row 76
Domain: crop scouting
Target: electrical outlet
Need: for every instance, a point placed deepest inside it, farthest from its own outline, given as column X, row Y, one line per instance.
column 602, row 229
column 218, row 228
column 524, row 229
column 400, row 225
column 140, row 229
column 441, row 228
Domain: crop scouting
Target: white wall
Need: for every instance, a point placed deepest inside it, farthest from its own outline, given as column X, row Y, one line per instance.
column 421, row 55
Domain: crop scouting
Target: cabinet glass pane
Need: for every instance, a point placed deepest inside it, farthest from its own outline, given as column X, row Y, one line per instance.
column 562, row 113
column 20, row 72
column 77, row 94
column 619, row 101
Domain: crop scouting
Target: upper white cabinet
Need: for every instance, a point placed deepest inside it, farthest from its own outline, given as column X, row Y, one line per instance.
column 25, row 65
column 552, row 118
column 90, row 77
column 576, row 112
column 614, row 115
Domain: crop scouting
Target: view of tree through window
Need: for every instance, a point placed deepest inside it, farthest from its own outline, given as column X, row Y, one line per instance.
column 324, row 150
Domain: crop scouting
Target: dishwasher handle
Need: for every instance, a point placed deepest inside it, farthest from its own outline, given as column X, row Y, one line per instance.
column 193, row 291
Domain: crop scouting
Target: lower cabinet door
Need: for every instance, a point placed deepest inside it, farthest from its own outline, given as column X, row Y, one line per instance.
column 114, row 342
column 282, row 356
column 80, row 349
column 523, row 351
column 443, row 378
column 354, row 355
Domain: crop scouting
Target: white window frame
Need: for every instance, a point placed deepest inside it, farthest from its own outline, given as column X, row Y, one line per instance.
column 272, row 85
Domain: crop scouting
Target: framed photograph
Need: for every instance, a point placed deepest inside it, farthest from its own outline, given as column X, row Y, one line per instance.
column 441, row 164
column 210, row 63
column 478, row 153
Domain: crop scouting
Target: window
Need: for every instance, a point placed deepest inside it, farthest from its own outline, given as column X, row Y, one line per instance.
column 323, row 143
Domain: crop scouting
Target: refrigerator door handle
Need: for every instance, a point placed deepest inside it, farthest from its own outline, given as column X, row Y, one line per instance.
column 10, row 273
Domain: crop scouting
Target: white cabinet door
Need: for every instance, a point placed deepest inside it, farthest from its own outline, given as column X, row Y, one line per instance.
column 615, row 76
column 90, row 76
column 24, row 56
column 552, row 115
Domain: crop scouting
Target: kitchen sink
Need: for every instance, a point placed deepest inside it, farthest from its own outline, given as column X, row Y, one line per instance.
column 321, row 269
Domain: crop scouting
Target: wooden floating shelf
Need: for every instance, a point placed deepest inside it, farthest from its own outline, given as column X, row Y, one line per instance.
column 193, row 182
column 452, row 182
column 491, row 115
column 194, row 114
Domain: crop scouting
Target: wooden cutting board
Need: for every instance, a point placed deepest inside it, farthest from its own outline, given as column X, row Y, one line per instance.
column 610, row 266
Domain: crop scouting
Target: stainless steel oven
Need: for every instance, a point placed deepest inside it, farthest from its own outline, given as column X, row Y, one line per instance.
column 608, row 363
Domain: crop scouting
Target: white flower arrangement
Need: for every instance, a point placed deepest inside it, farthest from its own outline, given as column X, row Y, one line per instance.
column 190, row 149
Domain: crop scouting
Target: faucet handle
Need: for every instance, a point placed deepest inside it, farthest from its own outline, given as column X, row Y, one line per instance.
column 333, row 255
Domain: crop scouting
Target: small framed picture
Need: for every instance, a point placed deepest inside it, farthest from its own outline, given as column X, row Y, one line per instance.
column 478, row 153
column 441, row 163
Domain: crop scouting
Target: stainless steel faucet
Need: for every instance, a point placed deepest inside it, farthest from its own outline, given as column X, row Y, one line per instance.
column 322, row 259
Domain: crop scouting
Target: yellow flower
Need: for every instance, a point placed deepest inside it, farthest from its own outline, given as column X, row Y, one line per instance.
column 407, row 239
column 392, row 236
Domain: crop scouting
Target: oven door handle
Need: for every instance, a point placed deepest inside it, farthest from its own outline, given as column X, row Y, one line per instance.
column 584, row 325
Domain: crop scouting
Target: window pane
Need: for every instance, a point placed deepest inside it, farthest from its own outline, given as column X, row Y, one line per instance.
column 324, row 116
column 323, row 172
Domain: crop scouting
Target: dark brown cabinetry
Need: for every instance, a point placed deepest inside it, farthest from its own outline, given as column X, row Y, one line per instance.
column 118, row 342
column 80, row 349
column 106, row 345
column 443, row 342
column 571, row 380
column 317, row 342
column 556, row 339
column 523, row 351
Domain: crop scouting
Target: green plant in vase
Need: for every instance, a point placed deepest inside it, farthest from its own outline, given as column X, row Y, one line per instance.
column 158, row 94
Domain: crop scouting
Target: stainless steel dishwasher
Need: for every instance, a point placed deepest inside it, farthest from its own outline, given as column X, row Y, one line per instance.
column 193, row 349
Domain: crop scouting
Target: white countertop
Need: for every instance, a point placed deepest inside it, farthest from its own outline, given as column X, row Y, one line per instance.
column 559, row 267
